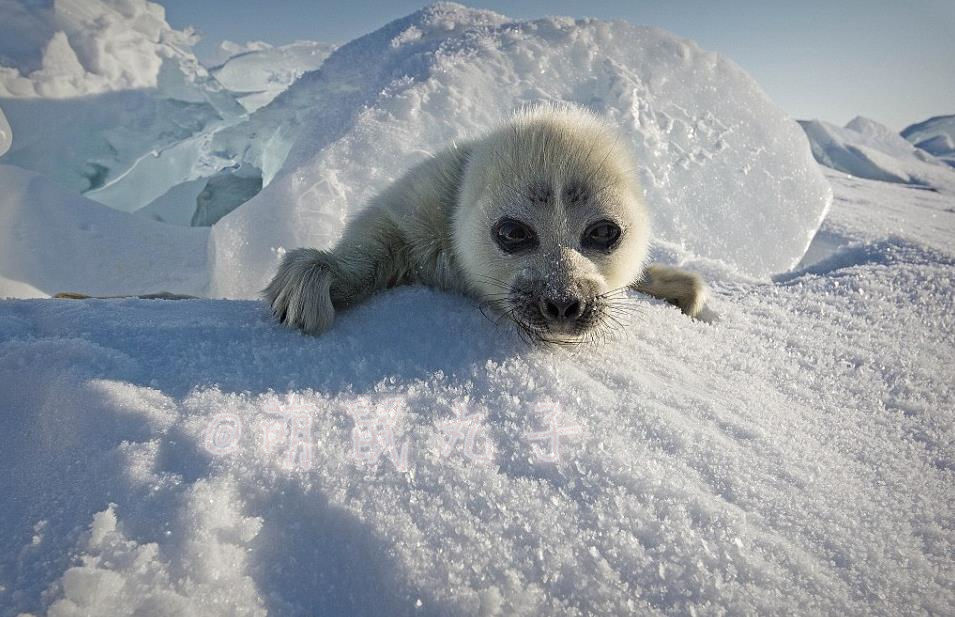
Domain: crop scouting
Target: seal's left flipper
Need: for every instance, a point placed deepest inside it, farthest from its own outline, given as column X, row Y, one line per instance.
column 679, row 287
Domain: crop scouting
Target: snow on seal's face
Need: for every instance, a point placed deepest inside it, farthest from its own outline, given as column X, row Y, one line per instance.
column 550, row 225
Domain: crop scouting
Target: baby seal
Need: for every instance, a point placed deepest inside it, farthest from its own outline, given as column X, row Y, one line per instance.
column 542, row 219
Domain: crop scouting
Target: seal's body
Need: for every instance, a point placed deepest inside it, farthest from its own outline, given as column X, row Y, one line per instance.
column 541, row 219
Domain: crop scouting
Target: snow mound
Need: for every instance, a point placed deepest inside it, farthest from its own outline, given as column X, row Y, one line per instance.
column 262, row 73
column 69, row 48
column 935, row 135
column 727, row 174
column 867, row 149
column 194, row 458
column 53, row 241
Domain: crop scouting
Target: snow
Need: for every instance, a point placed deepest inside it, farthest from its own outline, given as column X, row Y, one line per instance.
column 727, row 174
column 935, row 135
column 707, row 140
column 54, row 241
column 793, row 456
column 728, row 177
column 790, row 454
column 88, row 47
column 264, row 72
column 867, row 149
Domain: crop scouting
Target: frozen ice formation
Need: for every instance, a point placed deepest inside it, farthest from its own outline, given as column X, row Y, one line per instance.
column 6, row 134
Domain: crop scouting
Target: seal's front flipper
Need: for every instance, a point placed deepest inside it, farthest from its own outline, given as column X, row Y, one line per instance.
column 679, row 287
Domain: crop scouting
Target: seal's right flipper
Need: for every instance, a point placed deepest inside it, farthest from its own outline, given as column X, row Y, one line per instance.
column 679, row 287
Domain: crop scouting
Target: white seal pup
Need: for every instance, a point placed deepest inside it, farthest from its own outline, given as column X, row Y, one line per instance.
column 542, row 219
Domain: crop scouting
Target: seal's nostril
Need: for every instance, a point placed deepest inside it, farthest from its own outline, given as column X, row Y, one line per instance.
column 549, row 309
column 573, row 310
column 561, row 310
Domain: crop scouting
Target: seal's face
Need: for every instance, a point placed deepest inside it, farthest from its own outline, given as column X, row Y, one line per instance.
column 555, row 229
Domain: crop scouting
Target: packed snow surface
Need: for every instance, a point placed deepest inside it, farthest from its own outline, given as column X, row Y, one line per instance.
column 728, row 176
column 867, row 149
column 793, row 456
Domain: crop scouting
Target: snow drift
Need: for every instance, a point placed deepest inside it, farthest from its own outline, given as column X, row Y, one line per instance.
column 867, row 149
column 935, row 135
column 194, row 458
column 727, row 174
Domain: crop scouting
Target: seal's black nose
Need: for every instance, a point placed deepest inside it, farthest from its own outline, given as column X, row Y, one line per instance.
column 567, row 309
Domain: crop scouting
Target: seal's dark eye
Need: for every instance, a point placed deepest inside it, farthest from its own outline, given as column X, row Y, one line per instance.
column 513, row 236
column 601, row 236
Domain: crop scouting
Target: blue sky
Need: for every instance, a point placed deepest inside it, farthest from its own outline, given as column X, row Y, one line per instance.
column 893, row 61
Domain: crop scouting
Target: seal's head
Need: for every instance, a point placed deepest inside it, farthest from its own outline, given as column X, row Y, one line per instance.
column 550, row 222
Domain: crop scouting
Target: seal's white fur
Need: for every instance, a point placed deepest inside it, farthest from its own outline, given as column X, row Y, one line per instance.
column 556, row 168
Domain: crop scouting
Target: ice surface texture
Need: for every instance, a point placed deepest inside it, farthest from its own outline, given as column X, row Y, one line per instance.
column 727, row 175
column 262, row 73
column 119, row 103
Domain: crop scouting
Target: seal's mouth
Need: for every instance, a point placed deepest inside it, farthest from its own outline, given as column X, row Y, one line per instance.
column 562, row 317
column 561, row 323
